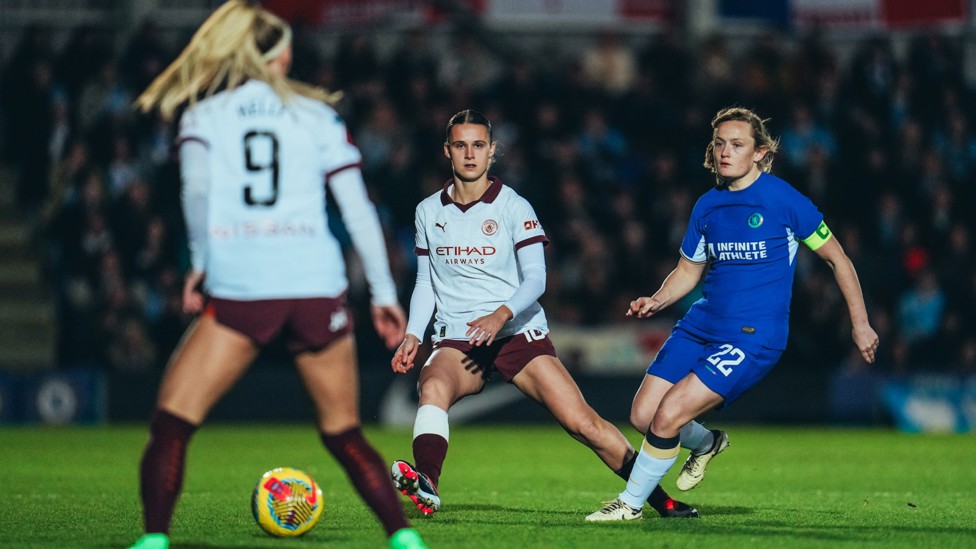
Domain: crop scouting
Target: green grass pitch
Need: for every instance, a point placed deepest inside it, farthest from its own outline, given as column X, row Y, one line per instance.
column 518, row 486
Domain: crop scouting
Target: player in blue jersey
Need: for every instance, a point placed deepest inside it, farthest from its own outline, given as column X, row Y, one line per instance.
column 743, row 236
column 256, row 151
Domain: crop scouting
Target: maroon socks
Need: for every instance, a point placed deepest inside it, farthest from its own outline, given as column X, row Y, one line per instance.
column 429, row 452
column 369, row 474
column 161, row 470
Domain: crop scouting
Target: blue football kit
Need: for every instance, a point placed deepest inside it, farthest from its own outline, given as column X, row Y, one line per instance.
column 737, row 331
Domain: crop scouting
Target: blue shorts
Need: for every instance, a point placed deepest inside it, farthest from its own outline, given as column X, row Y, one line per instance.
column 729, row 368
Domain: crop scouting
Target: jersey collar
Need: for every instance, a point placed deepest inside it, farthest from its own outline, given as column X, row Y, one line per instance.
column 490, row 195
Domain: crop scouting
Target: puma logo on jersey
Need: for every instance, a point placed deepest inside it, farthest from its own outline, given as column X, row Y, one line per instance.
column 441, row 227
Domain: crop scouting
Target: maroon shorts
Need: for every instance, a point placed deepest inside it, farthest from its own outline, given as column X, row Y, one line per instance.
column 308, row 324
column 507, row 356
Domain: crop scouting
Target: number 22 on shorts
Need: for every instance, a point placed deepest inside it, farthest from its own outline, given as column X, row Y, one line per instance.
column 727, row 357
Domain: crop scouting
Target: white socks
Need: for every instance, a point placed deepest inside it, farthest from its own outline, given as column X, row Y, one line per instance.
column 431, row 420
column 652, row 464
column 695, row 437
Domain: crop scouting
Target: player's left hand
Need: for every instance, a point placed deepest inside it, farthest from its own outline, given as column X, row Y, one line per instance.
column 390, row 323
column 866, row 340
column 483, row 330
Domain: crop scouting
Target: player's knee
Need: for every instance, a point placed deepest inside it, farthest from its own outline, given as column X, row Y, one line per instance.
column 668, row 420
column 437, row 391
column 640, row 419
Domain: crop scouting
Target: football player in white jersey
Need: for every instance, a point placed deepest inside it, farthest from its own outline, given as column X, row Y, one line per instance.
column 256, row 150
column 481, row 267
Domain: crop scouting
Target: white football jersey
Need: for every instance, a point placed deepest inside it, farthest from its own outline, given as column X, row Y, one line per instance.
column 473, row 262
column 266, row 228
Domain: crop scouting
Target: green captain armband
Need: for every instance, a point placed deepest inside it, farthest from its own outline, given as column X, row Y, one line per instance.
column 819, row 237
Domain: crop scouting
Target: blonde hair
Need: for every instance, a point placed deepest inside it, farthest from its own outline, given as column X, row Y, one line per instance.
column 232, row 46
column 759, row 133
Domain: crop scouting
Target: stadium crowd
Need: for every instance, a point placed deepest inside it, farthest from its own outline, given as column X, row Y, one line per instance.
column 607, row 144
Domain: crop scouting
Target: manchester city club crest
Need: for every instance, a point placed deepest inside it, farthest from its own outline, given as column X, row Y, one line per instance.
column 755, row 220
column 489, row 227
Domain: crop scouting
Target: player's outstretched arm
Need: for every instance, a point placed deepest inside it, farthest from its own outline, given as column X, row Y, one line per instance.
column 682, row 280
column 422, row 306
column 865, row 338
column 362, row 223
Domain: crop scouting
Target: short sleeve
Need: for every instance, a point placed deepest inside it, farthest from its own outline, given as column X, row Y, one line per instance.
column 192, row 128
column 693, row 244
column 339, row 151
column 805, row 217
column 524, row 224
column 819, row 237
column 420, row 233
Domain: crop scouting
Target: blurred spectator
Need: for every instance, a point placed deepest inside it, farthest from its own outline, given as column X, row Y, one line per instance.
column 602, row 147
column 957, row 264
column 307, row 56
column 87, row 50
column 911, row 146
column 379, row 135
column 63, row 186
column 814, row 177
column 35, row 126
column 920, row 311
column 935, row 61
column 763, row 69
column 154, row 254
column 915, row 256
column 155, row 143
column 802, row 136
column 123, row 171
column 466, row 64
column 714, row 69
column 815, row 62
column 966, row 360
column 872, row 81
column 145, row 55
column 607, row 141
column 356, row 62
column 609, row 65
column 61, row 128
column 104, row 96
column 18, row 86
column 398, row 182
column 412, row 65
column 668, row 63
column 518, row 91
column 131, row 349
column 957, row 145
column 131, row 213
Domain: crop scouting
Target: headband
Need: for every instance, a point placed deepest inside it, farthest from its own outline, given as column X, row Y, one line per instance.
column 283, row 42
